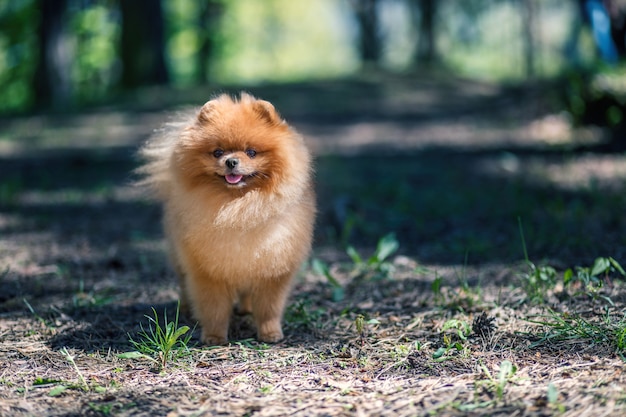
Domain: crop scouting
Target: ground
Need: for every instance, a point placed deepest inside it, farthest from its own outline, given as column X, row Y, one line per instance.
column 491, row 196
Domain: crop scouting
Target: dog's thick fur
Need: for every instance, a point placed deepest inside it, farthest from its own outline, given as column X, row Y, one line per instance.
column 239, row 208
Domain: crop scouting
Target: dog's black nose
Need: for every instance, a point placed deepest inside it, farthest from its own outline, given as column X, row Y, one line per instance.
column 232, row 162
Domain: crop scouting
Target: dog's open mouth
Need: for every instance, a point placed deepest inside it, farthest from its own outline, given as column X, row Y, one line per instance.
column 233, row 178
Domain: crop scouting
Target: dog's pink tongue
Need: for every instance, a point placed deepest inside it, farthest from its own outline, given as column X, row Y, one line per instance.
column 233, row 179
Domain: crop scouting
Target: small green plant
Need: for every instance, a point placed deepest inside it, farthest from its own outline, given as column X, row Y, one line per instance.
column 552, row 396
column 461, row 328
column 83, row 298
column 592, row 279
column 539, row 279
column 376, row 266
column 300, row 314
column 163, row 342
column 498, row 384
column 267, row 389
column 58, row 386
column 565, row 327
column 348, row 226
column 83, row 382
column 359, row 323
column 455, row 333
column 101, row 409
column 361, row 326
column 321, row 268
column 436, row 287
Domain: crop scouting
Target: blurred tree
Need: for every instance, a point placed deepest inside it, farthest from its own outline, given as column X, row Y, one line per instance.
column 208, row 21
column 424, row 15
column 142, row 43
column 53, row 84
column 617, row 14
column 529, row 17
column 96, row 29
column 369, row 37
column 18, row 53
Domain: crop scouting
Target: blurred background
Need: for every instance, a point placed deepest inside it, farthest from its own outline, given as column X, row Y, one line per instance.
column 63, row 54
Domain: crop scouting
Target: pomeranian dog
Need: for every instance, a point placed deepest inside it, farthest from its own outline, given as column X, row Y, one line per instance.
column 239, row 208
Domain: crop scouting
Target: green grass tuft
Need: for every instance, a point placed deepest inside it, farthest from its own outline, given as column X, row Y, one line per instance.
column 165, row 341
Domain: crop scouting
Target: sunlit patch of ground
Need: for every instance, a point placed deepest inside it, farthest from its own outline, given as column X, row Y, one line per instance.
column 466, row 176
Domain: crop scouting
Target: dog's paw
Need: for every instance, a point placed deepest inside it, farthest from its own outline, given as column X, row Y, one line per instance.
column 271, row 336
column 213, row 340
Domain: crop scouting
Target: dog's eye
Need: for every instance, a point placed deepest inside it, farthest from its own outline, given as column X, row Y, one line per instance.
column 218, row 153
column 251, row 153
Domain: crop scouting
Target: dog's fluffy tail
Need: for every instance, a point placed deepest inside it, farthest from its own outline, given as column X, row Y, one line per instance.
column 154, row 174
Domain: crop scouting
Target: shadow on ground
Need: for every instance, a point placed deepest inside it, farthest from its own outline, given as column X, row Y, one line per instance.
column 72, row 233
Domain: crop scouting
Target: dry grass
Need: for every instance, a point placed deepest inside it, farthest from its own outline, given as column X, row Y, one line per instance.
column 84, row 264
column 395, row 366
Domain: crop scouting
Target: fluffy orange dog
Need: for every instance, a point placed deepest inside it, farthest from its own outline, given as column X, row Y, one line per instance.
column 239, row 209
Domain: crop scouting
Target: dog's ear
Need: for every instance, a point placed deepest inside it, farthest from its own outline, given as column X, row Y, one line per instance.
column 266, row 111
column 206, row 113
column 211, row 109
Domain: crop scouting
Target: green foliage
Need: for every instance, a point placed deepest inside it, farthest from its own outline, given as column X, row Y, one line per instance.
column 58, row 386
column 592, row 278
column 251, row 53
column 435, row 286
column 18, row 53
column 321, row 268
column 244, row 50
column 455, row 333
column 162, row 342
column 597, row 97
column 300, row 314
column 498, row 384
column 185, row 36
column 461, row 328
column 376, row 266
column 552, row 396
column 538, row 279
column 84, row 298
column 92, row 33
column 583, row 280
column 70, row 359
column 273, row 40
column 96, row 33
column 565, row 327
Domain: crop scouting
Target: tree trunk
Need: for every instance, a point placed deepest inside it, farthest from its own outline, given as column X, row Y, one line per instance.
column 528, row 36
column 208, row 22
column 369, row 39
column 53, row 84
column 426, row 51
column 142, row 44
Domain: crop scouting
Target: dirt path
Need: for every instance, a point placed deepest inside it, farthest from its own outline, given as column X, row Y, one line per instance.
column 448, row 166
